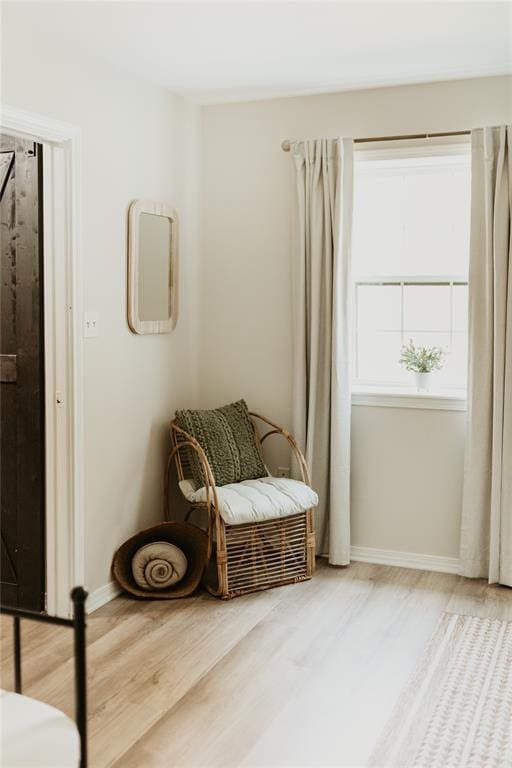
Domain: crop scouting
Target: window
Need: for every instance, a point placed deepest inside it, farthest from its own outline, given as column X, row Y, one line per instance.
column 410, row 256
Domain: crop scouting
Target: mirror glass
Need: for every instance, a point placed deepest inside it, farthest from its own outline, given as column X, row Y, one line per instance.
column 155, row 279
column 152, row 267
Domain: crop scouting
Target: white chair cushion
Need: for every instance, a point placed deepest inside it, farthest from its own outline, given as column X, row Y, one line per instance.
column 252, row 501
column 36, row 735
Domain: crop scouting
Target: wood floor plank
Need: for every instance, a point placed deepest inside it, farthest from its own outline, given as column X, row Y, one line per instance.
column 182, row 650
column 247, row 689
column 345, row 703
column 302, row 675
column 475, row 597
column 144, row 663
column 309, row 667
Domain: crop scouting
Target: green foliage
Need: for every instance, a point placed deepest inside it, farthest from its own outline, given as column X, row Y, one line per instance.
column 421, row 359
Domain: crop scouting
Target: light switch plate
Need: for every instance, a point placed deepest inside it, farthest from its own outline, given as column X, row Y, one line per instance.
column 91, row 324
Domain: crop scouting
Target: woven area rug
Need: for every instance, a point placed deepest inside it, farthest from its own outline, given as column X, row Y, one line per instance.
column 457, row 710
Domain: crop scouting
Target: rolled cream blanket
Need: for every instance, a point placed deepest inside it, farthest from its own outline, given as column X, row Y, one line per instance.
column 158, row 565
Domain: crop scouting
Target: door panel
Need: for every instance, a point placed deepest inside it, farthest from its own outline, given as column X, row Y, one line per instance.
column 22, row 374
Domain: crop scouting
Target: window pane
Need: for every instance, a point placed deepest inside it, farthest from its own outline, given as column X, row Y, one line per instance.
column 460, row 307
column 377, row 247
column 378, row 355
column 454, row 371
column 411, row 217
column 457, row 364
column 379, row 308
column 418, row 218
column 436, row 222
column 426, row 308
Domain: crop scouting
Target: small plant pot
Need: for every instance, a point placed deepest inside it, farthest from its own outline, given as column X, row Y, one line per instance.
column 423, row 381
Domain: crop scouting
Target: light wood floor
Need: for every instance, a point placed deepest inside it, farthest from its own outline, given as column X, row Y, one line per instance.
column 305, row 675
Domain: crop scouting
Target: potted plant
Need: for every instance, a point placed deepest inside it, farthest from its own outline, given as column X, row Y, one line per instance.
column 422, row 361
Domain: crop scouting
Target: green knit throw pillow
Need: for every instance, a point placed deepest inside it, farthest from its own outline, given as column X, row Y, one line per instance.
column 228, row 438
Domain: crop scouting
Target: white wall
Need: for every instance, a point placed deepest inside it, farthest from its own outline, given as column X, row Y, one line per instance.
column 138, row 141
column 407, row 464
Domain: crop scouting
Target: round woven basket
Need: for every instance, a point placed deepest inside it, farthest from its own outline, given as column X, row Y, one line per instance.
column 189, row 538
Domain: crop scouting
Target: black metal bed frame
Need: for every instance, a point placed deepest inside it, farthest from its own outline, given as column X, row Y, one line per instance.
column 77, row 623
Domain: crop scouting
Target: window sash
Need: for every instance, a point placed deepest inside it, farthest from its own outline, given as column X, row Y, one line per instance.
column 401, row 282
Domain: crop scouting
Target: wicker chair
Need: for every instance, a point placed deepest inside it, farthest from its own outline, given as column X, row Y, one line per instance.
column 247, row 557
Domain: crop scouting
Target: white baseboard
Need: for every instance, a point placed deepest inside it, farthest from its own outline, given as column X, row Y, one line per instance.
column 405, row 559
column 109, row 591
column 101, row 596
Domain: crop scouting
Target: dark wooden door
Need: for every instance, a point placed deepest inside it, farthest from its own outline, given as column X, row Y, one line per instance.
column 22, row 375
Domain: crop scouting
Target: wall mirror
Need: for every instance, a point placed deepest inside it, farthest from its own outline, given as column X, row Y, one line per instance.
column 152, row 267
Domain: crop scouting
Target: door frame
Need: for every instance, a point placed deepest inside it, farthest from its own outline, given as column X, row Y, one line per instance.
column 63, row 307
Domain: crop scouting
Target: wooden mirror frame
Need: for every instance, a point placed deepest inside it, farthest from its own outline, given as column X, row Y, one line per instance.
column 136, row 324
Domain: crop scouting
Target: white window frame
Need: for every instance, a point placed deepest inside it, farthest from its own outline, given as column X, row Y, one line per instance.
column 372, row 393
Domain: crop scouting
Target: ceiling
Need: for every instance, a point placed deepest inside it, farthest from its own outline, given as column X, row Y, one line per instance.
column 217, row 52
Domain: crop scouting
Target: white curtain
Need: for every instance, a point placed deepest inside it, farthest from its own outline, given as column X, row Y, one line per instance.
column 486, row 537
column 321, row 268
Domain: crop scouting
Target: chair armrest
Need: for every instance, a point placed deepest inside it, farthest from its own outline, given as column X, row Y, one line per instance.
column 212, row 505
column 187, row 441
column 277, row 430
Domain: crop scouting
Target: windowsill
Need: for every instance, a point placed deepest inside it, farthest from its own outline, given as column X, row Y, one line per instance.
column 409, row 397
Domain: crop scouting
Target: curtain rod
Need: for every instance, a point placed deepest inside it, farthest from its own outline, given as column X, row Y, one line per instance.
column 286, row 144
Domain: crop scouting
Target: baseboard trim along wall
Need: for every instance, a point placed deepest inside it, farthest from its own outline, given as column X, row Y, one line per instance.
column 109, row 591
column 405, row 559
column 101, row 596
